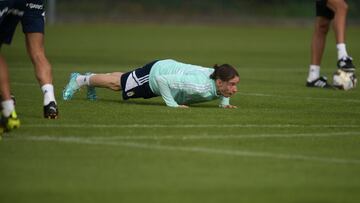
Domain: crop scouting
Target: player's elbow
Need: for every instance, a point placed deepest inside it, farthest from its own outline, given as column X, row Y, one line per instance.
column 159, row 79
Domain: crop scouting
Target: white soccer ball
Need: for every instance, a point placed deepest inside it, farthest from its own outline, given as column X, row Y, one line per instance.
column 344, row 80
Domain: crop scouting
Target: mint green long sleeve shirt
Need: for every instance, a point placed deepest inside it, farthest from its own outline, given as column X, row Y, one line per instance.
column 182, row 84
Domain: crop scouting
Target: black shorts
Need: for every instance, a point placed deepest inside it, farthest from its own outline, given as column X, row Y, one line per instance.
column 30, row 13
column 324, row 11
column 135, row 84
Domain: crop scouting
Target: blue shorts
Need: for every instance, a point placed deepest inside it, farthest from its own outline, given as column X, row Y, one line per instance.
column 135, row 84
column 30, row 13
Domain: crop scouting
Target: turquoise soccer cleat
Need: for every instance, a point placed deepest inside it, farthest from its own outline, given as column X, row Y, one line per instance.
column 71, row 87
column 91, row 92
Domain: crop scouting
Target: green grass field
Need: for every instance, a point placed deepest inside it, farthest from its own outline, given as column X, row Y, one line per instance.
column 284, row 143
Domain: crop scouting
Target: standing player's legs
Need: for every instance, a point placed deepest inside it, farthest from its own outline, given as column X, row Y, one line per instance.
column 319, row 40
column 4, row 80
column 9, row 119
column 33, row 25
column 4, row 73
column 322, row 25
column 340, row 10
column 36, row 51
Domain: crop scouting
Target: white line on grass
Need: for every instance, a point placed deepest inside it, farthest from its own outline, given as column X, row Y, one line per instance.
column 298, row 97
column 184, row 126
column 221, row 137
column 205, row 150
column 208, row 137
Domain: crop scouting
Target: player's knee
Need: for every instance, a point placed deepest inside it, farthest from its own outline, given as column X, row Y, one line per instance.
column 115, row 86
column 345, row 6
column 323, row 28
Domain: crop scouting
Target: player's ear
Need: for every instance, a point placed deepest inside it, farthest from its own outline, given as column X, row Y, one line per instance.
column 218, row 82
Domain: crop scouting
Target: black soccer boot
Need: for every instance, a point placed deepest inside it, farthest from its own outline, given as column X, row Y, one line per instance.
column 345, row 64
column 51, row 111
column 321, row 82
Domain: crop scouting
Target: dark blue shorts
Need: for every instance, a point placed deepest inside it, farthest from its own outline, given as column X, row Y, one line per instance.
column 135, row 84
column 324, row 11
column 30, row 13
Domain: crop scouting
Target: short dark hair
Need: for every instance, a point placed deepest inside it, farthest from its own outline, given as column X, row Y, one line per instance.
column 224, row 72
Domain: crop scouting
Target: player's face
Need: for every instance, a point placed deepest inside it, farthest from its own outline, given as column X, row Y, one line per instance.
column 227, row 88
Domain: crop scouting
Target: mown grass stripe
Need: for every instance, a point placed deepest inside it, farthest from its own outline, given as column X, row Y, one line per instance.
column 206, row 150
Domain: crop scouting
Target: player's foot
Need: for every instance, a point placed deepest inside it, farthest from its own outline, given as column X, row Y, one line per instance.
column 321, row 82
column 51, row 111
column 9, row 123
column 71, row 87
column 12, row 97
column 345, row 64
column 91, row 92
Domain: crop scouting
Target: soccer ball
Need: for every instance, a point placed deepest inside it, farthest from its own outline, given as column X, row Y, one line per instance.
column 344, row 80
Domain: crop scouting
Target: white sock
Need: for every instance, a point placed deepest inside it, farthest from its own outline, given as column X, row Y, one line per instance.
column 82, row 80
column 314, row 73
column 8, row 107
column 48, row 91
column 341, row 47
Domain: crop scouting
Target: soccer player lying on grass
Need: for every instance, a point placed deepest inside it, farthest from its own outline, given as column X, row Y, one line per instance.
column 179, row 84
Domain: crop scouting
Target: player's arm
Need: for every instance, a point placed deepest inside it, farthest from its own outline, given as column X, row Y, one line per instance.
column 165, row 91
column 225, row 103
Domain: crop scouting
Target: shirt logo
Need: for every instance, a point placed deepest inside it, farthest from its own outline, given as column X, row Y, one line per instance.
column 35, row 6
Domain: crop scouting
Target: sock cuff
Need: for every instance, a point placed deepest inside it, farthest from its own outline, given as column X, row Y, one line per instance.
column 340, row 45
column 312, row 66
column 7, row 102
column 48, row 91
column 8, row 107
column 88, row 79
column 47, row 87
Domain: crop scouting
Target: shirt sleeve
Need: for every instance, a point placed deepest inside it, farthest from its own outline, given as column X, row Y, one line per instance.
column 224, row 101
column 164, row 88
